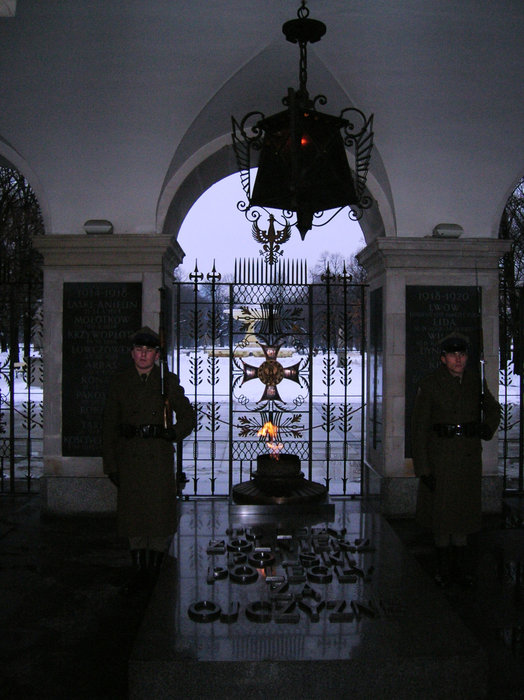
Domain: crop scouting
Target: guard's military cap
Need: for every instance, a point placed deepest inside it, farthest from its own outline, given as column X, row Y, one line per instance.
column 146, row 336
column 454, row 343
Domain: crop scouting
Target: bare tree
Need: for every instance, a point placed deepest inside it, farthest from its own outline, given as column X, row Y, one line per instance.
column 512, row 279
column 345, row 276
column 338, row 265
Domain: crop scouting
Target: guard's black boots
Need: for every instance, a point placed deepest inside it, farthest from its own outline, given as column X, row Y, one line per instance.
column 442, row 574
column 155, row 560
column 138, row 580
column 463, row 569
column 139, row 559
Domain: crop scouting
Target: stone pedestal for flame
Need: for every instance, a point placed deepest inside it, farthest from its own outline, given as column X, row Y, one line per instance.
column 278, row 480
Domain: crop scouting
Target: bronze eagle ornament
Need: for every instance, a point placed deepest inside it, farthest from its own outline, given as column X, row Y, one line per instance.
column 271, row 240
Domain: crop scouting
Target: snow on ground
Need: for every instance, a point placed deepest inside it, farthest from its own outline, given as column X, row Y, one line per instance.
column 252, row 390
column 289, row 390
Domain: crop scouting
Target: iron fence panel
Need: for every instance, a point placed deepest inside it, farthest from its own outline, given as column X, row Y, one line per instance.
column 261, row 350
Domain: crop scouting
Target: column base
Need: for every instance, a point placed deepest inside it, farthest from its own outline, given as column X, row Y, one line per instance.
column 73, row 495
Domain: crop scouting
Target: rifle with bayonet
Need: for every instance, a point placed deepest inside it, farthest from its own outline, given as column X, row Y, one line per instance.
column 486, row 432
column 482, row 361
column 167, row 412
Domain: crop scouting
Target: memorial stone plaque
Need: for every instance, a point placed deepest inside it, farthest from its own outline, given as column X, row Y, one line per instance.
column 432, row 313
column 98, row 320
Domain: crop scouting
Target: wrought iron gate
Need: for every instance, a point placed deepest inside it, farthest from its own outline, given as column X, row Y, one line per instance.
column 511, row 386
column 269, row 347
column 21, row 371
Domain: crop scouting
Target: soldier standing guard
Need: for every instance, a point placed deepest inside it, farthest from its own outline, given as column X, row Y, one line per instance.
column 138, row 454
column 452, row 414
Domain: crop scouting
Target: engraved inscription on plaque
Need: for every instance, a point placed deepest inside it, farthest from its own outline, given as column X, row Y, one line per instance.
column 98, row 320
column 432, row 313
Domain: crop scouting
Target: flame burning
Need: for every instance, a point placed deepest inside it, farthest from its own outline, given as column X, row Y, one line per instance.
column 269, row 431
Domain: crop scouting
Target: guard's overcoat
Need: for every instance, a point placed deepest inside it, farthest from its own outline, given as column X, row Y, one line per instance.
column 456, row 462
column 145, row 466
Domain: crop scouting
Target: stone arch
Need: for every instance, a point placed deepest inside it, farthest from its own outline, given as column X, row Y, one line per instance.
column 508, row 191
column 11, row 158
column 205, row 154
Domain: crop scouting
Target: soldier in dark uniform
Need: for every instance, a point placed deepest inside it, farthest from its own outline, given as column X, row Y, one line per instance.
column 138, row 452
column 448, row 424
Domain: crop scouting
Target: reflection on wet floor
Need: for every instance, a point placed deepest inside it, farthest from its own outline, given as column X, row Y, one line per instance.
column 67, row 631
column 388, row 609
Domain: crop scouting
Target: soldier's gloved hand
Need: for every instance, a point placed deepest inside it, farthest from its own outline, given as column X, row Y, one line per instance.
column 429, row 481
column 171, row 434
column 113, row 478
column 485, row 432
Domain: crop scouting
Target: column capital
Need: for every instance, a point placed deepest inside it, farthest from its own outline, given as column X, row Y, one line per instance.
column 432, row 253
column 123, row 251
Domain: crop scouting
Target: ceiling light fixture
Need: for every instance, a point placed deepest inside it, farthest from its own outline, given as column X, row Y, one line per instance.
column 303, row 168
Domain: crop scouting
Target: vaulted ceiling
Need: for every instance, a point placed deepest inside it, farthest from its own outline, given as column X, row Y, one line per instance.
column 121, row 109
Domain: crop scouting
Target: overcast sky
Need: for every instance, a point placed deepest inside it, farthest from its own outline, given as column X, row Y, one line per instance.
column 214, row 229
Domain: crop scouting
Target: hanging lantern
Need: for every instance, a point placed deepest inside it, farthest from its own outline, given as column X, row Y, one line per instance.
column 303, row 168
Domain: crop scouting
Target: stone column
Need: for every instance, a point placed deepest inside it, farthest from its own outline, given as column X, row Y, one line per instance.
column 392, row 264
column 76, row 485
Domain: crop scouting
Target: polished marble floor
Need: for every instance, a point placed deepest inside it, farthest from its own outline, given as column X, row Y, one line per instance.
column 67, row 632
column 277, row 602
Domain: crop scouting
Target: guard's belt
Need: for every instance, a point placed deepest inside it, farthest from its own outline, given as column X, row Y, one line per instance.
column 142, row 431
column 446, row 430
